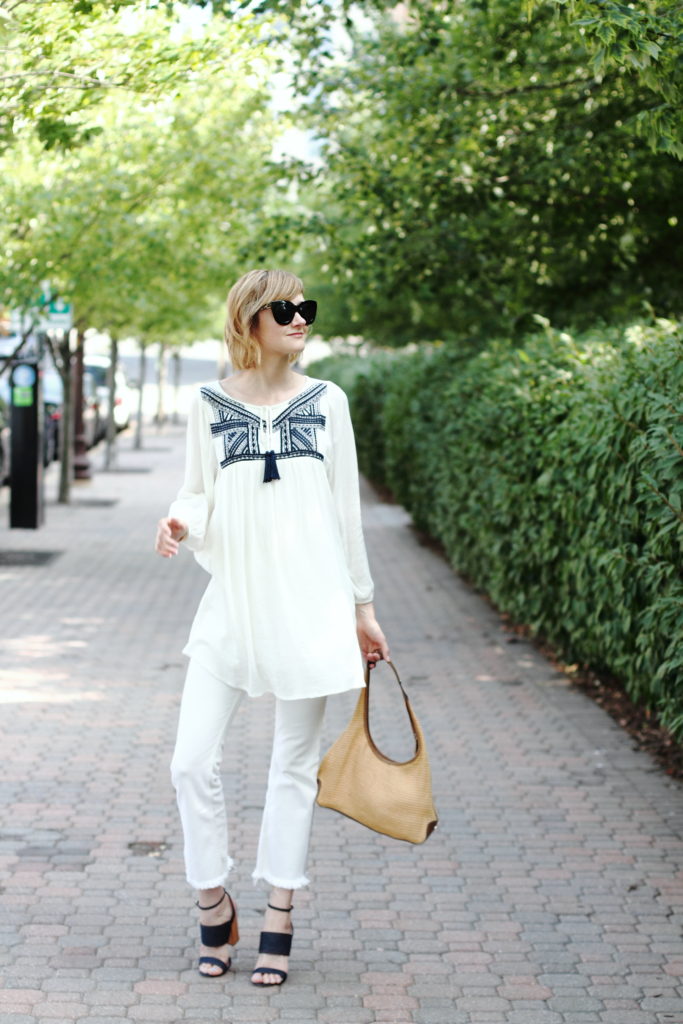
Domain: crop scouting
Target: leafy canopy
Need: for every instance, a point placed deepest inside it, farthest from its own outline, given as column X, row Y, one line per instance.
column 61, row 58
column 142, row 224
column 478, row 172
column 645, row 40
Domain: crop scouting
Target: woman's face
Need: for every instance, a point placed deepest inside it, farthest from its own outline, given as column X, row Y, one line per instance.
column 281, row 339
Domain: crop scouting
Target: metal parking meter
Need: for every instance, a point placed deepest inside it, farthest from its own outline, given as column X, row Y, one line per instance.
column 26, row 449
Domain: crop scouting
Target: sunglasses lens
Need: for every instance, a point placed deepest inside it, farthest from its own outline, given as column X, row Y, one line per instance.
column 283, row 311
column 308, row 309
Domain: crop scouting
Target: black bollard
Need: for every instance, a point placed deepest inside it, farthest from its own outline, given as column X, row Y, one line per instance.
column 26, row 458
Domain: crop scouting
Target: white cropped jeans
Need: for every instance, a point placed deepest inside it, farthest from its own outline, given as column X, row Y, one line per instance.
column 206, row 710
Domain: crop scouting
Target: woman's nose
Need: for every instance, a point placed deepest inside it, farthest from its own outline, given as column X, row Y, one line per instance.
column 299, row 320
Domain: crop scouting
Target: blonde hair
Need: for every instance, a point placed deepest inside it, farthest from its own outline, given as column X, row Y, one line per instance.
column 246, row 297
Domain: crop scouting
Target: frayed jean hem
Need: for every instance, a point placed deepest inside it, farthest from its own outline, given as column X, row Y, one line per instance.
column 261, row 878
column 213, row 883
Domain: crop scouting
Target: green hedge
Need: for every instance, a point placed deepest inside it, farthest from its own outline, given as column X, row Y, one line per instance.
column 553, row 476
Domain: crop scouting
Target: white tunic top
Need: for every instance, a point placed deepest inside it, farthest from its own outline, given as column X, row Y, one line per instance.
column 286, row 555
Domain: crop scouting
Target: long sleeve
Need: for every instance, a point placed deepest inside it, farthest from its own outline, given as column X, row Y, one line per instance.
column 195, row 499
column 343, row 476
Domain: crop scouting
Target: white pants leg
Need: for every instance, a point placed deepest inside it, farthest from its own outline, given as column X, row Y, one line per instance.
column 207, row 708
column 292, row 789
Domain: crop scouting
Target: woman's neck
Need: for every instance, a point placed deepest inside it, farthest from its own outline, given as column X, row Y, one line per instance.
column 267, row 384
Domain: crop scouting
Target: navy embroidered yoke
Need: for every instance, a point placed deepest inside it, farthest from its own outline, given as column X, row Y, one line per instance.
column 241, row 428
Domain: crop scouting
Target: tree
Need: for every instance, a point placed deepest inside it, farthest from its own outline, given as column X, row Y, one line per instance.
column 476, row 173
column 644, row 39
column 647, row 42
column 140, row 226
column 62, row 58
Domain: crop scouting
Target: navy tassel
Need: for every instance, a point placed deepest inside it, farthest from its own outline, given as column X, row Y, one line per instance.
column 270, row 472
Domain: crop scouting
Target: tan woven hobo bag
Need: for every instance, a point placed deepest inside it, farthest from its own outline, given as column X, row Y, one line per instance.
column 358, row 780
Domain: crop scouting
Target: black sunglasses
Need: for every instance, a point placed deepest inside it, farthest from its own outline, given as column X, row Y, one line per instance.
column 283, row 310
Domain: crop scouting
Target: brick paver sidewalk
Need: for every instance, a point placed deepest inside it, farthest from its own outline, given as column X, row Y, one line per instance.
column 551, row 893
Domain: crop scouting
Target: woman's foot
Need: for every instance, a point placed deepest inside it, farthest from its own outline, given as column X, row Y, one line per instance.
column 216, row 909
column 277, row 932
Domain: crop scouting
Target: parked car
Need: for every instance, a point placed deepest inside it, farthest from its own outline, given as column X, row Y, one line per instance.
column 53, row 401
column 98, row 366
column 93, row 429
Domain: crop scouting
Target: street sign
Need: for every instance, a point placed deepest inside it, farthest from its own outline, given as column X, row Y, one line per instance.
column 23, row 379
column 58, row 315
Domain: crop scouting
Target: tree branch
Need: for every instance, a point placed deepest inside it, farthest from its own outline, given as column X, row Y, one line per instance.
column 87, row 80
column 6, row 360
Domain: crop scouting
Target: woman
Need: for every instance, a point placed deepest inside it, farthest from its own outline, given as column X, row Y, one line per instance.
column 271, row 508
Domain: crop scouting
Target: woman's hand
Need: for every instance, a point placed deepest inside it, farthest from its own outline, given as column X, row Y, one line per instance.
column 170, row 532
column 372, row 641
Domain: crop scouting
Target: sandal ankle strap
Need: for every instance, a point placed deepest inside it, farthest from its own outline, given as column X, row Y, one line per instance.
column 283, row 910
column 213, row 905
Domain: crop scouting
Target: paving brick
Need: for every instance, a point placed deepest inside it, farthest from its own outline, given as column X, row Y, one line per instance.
column 61, row 1011
column 436, row 1015
column 157, row 987
column 628, row 1017
column 108, row 1019
column 523, row 991
column 21, row 995
column 167, row 1012
column 336, row 1015
column 534, row 1017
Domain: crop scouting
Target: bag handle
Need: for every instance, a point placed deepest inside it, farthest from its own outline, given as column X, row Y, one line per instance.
column 414, row 724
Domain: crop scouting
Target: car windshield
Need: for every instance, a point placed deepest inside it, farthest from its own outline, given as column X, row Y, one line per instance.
column 99, row 373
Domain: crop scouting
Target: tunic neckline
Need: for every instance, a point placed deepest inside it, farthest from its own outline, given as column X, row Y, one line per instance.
column 217, row 386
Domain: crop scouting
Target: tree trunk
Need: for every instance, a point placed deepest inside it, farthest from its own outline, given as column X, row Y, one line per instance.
column 110, row 449
column 81, row 462
column 176, row 385
column 160, row 417
column 137, row 444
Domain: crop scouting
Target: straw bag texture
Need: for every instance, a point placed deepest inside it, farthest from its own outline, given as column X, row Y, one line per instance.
column 358, row 780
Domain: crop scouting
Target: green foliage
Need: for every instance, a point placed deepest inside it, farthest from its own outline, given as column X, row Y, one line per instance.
column 62, row 59
column 343, row 369
column 477, row 170
column 645, row 40
column 365, row 380
column 140, row 226
column 553, row 476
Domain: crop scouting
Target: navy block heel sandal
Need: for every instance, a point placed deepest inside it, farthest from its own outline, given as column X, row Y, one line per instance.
column 218, row 935
column 274, row 944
